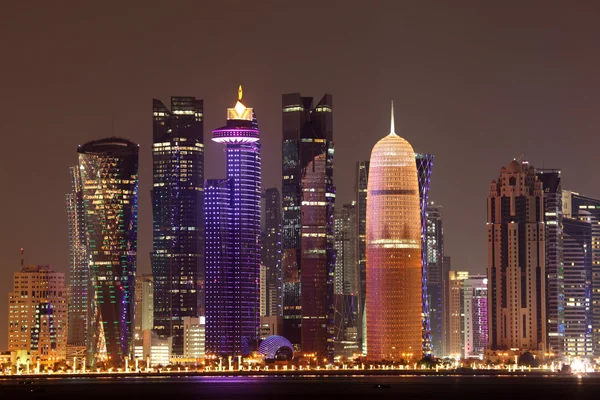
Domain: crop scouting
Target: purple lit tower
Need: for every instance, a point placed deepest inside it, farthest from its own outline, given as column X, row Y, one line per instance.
column 233, row 250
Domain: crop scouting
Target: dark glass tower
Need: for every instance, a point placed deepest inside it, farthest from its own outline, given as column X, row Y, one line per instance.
column 362, row 179
column 307, row 134
column 232, row 280
column 78, row 262
column 424, row 164
column 109, row 175
column 271, row 252
column 435, row 254
column 587, row 209
column 555, row 285
column 178, row 215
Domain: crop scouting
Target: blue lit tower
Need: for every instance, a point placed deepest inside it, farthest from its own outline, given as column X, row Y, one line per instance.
column 232, row 276
column 178, row 215
column 109, row 176
column 424, row 165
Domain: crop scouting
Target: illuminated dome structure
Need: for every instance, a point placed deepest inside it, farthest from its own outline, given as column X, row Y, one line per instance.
column 276, row 348
column 394, row 265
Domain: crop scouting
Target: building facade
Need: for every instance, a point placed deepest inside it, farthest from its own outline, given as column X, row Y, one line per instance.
column 434, row 246
column 194, row 338
column 578, row 333
column 233, row 279
column 318, row 258
column 109, row 175
column 78, row 262
column 394, row 264
column 37, row 313
column 475, row 326
column 144, row 304
column 271, row 252
column 178, row 215
column 456, row 314
column 307, row 132
column 516, row 260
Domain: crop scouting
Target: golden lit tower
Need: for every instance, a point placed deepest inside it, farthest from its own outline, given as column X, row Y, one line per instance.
column 394, row 322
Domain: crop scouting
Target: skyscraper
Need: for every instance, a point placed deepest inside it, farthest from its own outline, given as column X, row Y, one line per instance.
column 516, row 260
column 37, row 313
column 362, row 179
column 232, row 276
column 456, row 313
column 178, row 215
column 434, row 245
column 583, row 208
column 271, row 252
column 109, row 169
column 346, row 274
column 424, row 165
column 307, row 132
column 144, row 305
column 317, row 287
column 555, row 296
column 578, row 339
column 394, row 264
column 78, row 262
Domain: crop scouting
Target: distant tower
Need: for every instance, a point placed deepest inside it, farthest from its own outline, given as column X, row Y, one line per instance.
column 78, row 262
column 394, row 264
column 434, row 245
column 271, row 252
column 516, row 260
column 362, row 178
column 109, row 175
column 177, row 215
column 475, row 326
column 232, row 280
column 307, row 134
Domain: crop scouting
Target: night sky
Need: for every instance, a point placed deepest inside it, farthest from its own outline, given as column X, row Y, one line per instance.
column 475, row 84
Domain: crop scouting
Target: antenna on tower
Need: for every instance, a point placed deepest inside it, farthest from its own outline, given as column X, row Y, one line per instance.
column 521, row 157
column 22, row 259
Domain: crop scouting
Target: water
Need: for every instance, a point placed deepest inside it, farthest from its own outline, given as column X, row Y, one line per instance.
column 305, row 387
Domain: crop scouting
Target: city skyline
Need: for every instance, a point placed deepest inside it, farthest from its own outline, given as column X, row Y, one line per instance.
column 451, row 111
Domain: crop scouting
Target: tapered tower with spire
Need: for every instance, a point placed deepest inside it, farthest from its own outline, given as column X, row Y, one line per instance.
column 394, row 306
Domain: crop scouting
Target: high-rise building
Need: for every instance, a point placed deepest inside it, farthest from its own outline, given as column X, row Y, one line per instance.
column 456, row 313
column 555, row 296
column 516, row 260
column 271, row 252
column 587, row 209
column 37, row 313
column 78, row 262
column 394, row 264
column 194, row 337
column 362, row 179
column 446, row 267
column 578, row 287
column 475, row 326
column 233, row 234
column 178, row 215
column 318, row 259
column 263, row 290
column 144, row 304
column 346, row 273
column 424, row 165
column 434, row 245
column 109, row 175
column 307, row 133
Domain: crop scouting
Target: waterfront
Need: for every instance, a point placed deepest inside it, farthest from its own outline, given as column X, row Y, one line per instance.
column 337, row 387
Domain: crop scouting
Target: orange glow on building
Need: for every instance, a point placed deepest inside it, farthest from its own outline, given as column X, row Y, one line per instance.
column 394, row 307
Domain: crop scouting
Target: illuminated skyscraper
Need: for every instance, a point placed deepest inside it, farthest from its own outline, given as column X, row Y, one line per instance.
column 178, row 215
column 233, row 234
column 475, row 324
column 424, row 166
column 109, row 169
column 555, row 285
column 271, row 252
column 434, row 245
column 394, row 260
column 78, row 262
column 456, row 313
column 362, row 178
column 516, row 260
column 307, row 134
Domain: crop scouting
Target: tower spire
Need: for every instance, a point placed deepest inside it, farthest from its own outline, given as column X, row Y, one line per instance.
column 392, row 127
